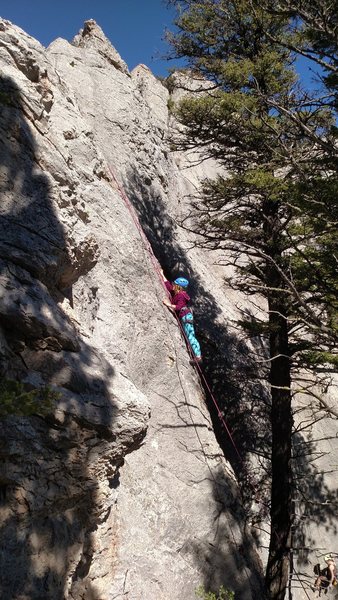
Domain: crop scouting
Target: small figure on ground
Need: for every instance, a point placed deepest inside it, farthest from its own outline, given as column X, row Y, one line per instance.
column 327, row 576
column 179, row 304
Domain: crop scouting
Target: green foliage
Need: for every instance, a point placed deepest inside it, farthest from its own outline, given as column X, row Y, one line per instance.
column 222, row 594
column 279, row 196
column 264, row 181
column 169, row 83
column 254, row 328
column 274, row 214
column 314, row 31
column 170, row 105
column 321, row 358
column 16, row 399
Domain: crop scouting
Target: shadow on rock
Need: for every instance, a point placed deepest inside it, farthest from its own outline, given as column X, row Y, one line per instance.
column 230, row 560
column 315, row 505
column 53, row 470
column 231, row 370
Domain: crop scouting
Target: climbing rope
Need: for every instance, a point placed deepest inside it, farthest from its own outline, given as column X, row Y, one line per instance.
column 157, row 268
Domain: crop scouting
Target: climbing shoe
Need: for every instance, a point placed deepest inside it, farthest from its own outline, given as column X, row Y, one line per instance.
column 194, row 361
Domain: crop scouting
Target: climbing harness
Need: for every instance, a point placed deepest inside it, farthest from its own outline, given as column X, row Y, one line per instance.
column 158, row 271
column 187, row 318
column 183, row 282
column 193, row 359
column 329, row 556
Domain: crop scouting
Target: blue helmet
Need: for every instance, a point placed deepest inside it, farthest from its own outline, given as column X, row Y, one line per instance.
column 182, row 282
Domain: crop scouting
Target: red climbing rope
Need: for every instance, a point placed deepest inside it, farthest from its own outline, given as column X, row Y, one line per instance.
column 219, row 412
column 157, row 268
column 156, row 265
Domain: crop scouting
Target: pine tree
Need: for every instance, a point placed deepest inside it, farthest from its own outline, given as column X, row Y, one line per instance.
column 314, row 26
column 277, row 205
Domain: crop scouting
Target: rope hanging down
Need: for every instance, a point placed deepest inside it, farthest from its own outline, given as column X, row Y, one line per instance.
column 157, row 268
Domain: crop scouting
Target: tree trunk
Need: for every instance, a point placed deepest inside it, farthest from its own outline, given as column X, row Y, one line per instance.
column 277, row 571
column 281, row 421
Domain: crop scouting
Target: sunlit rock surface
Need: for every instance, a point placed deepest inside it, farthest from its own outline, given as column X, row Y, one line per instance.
column 123, row 491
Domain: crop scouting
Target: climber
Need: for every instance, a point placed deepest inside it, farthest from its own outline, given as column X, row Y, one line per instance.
column 179, row 301
column 327, row 576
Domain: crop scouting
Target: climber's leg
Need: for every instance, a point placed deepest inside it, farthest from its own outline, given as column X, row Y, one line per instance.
column 191, row 337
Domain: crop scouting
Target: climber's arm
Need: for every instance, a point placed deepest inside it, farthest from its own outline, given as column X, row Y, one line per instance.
column 168, row 304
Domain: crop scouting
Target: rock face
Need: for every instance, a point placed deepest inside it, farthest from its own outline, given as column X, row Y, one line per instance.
column 98, row 499
column 122, row 491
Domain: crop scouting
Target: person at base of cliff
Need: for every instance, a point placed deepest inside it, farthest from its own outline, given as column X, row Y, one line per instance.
column 327, row 576
column 178, row 304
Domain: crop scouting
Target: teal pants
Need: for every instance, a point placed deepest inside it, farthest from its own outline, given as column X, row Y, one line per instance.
column 187, row 322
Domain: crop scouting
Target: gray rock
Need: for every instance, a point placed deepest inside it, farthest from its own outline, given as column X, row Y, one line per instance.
column 93, row 38
column 80, row 519
column 28, row 310
column 100, row 499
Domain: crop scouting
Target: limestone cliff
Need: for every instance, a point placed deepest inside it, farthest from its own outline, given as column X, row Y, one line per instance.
column 122, row 492
column 100, row 500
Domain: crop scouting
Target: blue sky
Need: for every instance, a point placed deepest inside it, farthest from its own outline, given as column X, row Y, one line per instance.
column 134, row 27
